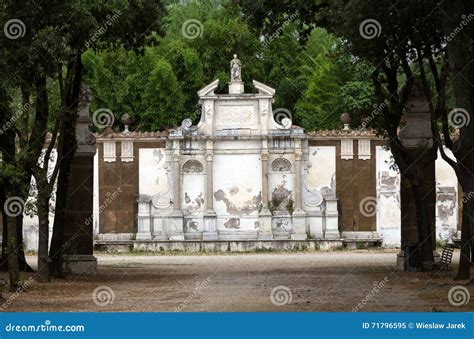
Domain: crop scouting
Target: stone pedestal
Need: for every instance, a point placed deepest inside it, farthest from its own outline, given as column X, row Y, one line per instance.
column 210, row 231
column 265, row 222
column 144, row 220
column 332, row 220
column 315, row 223
column 236, row 87
column 176, row 226
column 79, row 205
column 299, row 225
column 408, row 208
column 78, row 228
column 409, row 228
column 157, row 229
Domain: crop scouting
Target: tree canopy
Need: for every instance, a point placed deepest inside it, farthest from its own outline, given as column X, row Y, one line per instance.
column 314, row 77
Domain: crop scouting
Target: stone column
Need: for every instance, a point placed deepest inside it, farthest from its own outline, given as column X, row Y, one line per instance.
column 210, row 232
column 265, row 216
column 416, row 138
column 299, row 215
column 177, row 215
column 78, row 225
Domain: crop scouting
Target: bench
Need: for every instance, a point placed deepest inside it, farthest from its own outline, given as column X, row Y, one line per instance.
column 444, row 262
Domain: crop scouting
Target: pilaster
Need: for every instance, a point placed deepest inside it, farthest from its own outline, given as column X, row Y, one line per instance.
column 265, row 216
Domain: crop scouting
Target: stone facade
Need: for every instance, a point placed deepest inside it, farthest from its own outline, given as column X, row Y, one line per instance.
column 242, row 173
column 245, row 173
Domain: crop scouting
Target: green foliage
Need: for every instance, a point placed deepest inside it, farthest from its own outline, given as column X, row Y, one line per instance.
column 314, row 76
column 336, row 83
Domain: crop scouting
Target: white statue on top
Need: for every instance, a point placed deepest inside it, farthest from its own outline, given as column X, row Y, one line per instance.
column 235, row 69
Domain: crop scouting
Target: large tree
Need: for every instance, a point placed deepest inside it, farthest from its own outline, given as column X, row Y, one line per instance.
column 457, row 22
column 388, row 37
column 44, row 44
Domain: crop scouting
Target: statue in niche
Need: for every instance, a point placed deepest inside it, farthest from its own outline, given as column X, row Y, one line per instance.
column 235, row 69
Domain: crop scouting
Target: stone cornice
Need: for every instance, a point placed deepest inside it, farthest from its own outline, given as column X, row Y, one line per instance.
column 340, row 134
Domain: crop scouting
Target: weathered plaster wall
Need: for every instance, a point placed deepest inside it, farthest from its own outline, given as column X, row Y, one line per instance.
column 193, row 200
column 322, row 169
column 388, row 199
column 154, row 175
column 446, row 198
column 237, row 191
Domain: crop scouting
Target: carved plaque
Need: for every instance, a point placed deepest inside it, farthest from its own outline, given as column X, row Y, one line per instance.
column 236, row 116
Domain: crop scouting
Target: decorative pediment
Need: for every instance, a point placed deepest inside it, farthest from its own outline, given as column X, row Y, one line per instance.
column 209, row 89
column 263, row 89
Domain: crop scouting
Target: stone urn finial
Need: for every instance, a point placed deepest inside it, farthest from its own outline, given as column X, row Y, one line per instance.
column 346, row 120
column 127, row 120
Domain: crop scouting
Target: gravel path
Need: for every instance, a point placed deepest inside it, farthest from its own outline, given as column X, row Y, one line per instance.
column 320, row 281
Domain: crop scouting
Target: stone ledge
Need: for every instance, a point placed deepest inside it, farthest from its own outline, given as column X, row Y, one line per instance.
column 195, row 246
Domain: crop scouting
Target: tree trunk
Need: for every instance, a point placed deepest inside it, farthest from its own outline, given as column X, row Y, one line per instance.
column 8, row 150
column 43, row 238
column 460, row 61
column 13, row 267
column 412, row 170
column 4, row 261
column 57, row 239
column 66, row 149
column 12, row 247
column 464, row 270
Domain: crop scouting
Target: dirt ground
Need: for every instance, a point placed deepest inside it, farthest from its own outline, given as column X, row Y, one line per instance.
column 319, row 281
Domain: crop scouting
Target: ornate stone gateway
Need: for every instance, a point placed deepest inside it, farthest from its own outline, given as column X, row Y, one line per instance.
column 239, row 174
column 244, row 176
